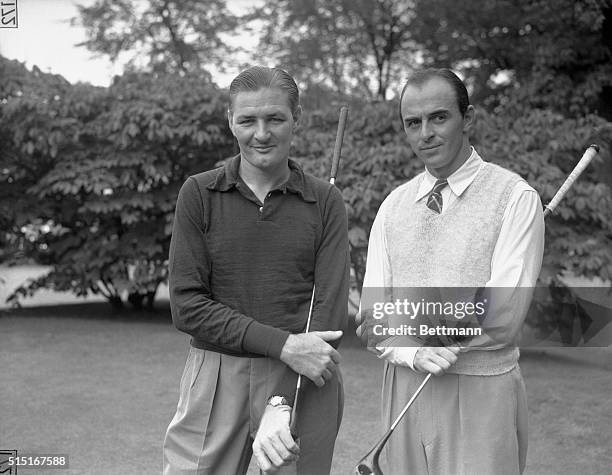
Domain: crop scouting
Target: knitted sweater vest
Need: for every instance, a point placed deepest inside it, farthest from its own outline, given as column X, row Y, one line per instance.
column 452, row 249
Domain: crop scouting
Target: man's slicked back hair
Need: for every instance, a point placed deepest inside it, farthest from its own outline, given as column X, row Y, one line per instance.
column 418, row 78
column 260, row 77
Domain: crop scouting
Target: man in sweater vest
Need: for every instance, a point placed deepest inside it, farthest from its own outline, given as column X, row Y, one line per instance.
column 461, row 223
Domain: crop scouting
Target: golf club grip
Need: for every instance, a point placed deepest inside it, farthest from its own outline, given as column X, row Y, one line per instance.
column 589, row 154
column 338, row 145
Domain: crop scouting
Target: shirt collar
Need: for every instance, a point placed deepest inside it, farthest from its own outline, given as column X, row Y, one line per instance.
column 296, row 183
column 458, row 181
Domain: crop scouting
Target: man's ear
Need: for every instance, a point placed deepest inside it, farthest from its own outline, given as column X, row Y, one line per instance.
column 296, row 117
column 230, row 116
column 469, row 118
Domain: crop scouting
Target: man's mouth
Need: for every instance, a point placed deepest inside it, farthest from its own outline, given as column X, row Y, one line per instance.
column 263, row 148
column 431, row 147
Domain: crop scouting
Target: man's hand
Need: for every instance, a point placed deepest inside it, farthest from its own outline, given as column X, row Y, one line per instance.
column 310, row 354
column 273, row 446
column 436, row 360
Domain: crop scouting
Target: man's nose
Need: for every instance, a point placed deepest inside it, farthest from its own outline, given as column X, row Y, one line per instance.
column 262, row 132
column 426, row 130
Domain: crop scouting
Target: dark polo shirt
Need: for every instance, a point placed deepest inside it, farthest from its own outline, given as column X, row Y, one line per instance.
column 242, row 271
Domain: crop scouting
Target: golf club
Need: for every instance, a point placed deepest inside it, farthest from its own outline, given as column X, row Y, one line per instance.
column 332, row 180
column 588, row 155
column 290, row 469
column 369, row 464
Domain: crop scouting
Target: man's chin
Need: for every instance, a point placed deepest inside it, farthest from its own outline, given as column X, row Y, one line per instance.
column 267, row 161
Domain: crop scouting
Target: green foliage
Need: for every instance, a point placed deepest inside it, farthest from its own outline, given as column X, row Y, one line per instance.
column 96, row 173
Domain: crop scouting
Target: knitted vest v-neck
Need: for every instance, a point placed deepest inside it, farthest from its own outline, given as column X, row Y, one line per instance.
column 452, row 249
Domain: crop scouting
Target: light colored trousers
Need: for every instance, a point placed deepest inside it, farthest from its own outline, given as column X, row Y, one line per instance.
column 459, row 424
column 222, row 399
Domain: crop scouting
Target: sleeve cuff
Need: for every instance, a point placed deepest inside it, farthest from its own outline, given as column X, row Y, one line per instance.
column 264, row 340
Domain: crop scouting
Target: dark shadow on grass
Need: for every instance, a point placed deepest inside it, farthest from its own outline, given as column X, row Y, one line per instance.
column 94, row 310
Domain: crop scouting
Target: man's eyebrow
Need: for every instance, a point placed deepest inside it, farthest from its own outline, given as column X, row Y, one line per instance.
column 429, row 114
column 245, row 115
column 438, row 111
column 250, row 115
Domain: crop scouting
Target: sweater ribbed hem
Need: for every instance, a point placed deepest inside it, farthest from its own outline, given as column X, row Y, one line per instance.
column 486, row 363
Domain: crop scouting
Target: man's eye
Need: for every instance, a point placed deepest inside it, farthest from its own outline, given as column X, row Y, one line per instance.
column 276, row 120
column 440, row 118
column 245, row 121
column 411, row 124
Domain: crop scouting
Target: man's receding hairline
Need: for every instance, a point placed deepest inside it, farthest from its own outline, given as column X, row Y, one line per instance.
column 421, row 78
column 421, row 85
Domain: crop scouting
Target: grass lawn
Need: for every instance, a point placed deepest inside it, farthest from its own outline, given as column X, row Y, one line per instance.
column 78, row 380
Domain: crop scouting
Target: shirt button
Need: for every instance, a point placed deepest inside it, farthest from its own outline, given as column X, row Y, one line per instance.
column 261, row 209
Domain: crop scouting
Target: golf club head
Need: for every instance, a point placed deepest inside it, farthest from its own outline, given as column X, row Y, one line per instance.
column 368, row 465
column 365, row 469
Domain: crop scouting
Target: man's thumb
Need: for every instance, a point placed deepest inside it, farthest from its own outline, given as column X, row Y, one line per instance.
column 329, row 335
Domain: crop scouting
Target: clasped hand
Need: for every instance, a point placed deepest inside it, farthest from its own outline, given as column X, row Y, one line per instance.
column 309, row 354
column 434, row 359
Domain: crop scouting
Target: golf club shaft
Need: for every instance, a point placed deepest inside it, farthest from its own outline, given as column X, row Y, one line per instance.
column 332, row 179
column 409, row 403
column 298, row 386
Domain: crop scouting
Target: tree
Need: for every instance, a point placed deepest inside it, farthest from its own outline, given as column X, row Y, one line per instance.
column 552, row 54
column 98, row 174
column 159, row 35
column 350, row 46
column 17, row 172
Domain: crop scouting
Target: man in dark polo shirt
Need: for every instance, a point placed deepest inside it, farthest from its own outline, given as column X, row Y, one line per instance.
column 250, row 240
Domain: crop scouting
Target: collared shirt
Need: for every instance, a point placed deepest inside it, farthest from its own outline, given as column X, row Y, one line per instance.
column 516, row 257
column 241, row 271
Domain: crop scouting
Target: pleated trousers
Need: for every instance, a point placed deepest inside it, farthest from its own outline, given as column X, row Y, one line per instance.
column 222, row 399
column 459, row 424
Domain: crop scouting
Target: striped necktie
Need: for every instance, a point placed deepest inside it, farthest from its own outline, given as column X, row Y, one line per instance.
column 434, row 199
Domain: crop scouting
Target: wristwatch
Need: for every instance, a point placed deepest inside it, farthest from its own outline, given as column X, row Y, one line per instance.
column 276, row 401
